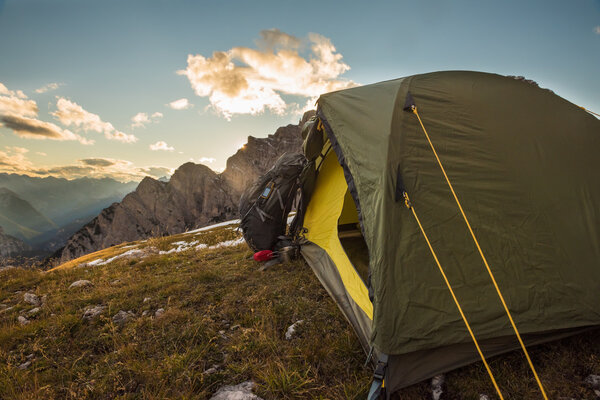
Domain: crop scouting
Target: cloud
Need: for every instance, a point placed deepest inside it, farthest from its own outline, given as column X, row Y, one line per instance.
column 41, row 153
column 16, row 103
column 160, row 145
column 31, row 128
column 249, row 81
column 141, row 119
column 70, row 113
column 597, row 30
column 98, row 162
column 181, row 104
column 14, row 160
column 204, row 160
column 157, row 172
column 18, row 113
column 49, row 87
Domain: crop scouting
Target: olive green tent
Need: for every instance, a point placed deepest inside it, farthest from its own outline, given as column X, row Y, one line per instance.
column 524, row 165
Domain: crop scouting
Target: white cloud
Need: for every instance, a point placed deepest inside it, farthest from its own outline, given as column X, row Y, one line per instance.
column 16, row 103
column 13, row 159
column 203, row 160
column 70, row 113
column 41, row 153
column 18, row 114
column 181, row 104
column 48, row 87
column 597, row 30
column 249, row 81
column 141, row 119
column 160, row 145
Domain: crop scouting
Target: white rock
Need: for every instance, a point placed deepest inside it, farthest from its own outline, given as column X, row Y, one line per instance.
column 34, row 311
column 159, row 312
column 31, row 299
column 93, row 312
column 593, row 381
column 243, row 391
column 25, row 365
column 6, row 309
column 291, row 330
column 22, row 320
column 436, row 386
column 145, row 312
column 83, row 283
column 483, row 397
column 211, row 370
column 147, row 299
column 121, row 317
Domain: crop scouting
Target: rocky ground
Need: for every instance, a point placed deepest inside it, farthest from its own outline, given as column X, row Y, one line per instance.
column 190, row 316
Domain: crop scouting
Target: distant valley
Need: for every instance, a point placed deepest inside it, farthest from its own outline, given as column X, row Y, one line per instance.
column 38, row 215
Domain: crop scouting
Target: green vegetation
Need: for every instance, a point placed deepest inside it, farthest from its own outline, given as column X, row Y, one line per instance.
column 223, row 323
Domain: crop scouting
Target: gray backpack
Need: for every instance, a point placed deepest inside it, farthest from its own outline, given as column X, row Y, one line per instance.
column 264, row 206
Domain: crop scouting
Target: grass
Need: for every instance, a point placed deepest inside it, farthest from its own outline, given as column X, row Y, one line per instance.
column 224, row 323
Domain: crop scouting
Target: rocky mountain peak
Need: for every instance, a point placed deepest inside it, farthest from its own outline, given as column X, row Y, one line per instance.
column 195, row 196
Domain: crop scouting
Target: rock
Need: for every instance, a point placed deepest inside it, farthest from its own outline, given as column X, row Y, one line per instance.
column 436, row 386
column 115, row 282
column 122, row 317
column 83, row 283
column 25, row 365
column 235, row 327
column 593, row 381
column 243, row 391
column 22, row 320
column 10, row 246
column 30, row 356
column 212, row 370
column 484, row 397
column 31, row 299
column 147, row 299
column 34, row 311
column 93, row 312
column 159, row 312
column 6, row 310
column 291, row 330
column 44, row 299
column 145, row 313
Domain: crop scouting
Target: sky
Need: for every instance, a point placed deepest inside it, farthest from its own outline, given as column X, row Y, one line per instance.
column 125, row 89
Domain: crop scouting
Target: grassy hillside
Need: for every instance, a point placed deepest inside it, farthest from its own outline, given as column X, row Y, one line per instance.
column 198, row 318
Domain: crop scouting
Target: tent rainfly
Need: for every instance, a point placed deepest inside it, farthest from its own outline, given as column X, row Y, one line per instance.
column 455, row 216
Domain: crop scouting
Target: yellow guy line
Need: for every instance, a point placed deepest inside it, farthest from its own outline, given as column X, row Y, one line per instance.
column 590, row 111
column 414, row 110
column 409, row 205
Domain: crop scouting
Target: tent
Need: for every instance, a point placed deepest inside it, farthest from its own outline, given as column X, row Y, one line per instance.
column 524, row 166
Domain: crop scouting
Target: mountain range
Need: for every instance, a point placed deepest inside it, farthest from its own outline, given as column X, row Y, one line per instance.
column 38, row 215
column 195, row 196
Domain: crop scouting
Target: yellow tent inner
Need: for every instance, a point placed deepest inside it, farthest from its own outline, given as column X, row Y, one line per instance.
column 330, row 205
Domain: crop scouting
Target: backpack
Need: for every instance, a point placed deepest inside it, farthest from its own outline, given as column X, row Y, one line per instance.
column 265, row 205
